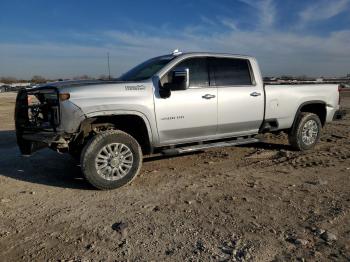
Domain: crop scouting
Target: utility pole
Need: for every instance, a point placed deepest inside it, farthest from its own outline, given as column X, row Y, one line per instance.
column 109, row 69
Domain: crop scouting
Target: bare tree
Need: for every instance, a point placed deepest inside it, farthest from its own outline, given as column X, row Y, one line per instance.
column 38, row 79
column 8, row 80
column 83, row 77
column 103, row 77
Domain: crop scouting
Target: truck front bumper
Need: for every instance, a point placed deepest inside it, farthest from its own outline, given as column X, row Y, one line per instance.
column 36, row 123
column 32, row 141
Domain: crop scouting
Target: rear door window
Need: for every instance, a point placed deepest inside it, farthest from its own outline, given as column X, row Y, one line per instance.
column 230, row 71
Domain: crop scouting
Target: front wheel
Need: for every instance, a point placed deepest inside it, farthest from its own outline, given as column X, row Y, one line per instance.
column 306, row 132
column 111, row 159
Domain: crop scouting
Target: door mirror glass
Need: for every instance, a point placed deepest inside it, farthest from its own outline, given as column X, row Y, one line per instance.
column 179, row 79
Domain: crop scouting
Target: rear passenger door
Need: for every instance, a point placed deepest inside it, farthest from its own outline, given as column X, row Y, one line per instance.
column 240, row 98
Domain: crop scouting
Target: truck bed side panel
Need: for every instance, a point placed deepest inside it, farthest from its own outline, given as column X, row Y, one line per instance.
column 283, row 101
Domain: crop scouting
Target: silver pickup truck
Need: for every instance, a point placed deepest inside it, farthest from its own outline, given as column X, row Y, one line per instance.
column 170, row 104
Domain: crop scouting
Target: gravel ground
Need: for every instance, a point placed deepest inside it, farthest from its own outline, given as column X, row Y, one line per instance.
column 261, row 202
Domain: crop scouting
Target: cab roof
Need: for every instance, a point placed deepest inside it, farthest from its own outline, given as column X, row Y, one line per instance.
column 212, row 54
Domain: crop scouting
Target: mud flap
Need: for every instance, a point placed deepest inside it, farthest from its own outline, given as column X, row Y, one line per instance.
column 339, row 115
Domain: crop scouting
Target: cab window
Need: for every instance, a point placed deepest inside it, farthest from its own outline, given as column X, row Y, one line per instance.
column 230, row 72
column 198, row 71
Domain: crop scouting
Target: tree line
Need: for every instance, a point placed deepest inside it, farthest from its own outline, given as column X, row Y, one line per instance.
column 37, row 79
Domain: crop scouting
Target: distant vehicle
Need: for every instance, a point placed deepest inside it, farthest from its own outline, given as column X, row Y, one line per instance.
column 170, row 104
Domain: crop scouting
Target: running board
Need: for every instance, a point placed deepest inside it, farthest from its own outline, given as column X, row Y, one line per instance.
column 198, row 147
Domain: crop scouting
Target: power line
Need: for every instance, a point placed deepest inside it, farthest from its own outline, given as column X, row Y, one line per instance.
column 109, row 69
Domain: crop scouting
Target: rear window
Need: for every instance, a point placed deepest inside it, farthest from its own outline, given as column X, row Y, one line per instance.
column 229, row 72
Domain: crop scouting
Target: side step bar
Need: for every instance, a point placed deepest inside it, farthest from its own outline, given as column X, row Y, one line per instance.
column 198, row 147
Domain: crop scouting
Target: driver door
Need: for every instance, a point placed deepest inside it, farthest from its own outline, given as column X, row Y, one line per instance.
column 188, row 115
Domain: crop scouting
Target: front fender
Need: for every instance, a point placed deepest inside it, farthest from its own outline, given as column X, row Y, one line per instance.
column 151, row 135
column 71, row 117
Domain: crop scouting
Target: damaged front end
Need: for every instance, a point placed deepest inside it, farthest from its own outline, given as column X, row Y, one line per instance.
column 37, row 116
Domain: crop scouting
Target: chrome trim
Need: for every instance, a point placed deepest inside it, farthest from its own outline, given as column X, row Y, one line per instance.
column 114, row 161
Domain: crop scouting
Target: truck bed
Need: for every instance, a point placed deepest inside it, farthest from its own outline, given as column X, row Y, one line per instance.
column 283, row 101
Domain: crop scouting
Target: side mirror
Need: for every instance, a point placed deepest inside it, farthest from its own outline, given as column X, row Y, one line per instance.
column 180, row 79
column 165, row 90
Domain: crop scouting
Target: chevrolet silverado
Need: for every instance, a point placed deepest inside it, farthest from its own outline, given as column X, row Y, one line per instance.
column 170, row 104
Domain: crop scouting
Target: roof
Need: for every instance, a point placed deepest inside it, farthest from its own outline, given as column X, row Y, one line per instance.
column 215, row 54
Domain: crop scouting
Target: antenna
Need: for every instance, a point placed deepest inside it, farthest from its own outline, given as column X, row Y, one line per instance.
column 109, row 68
column 177, row 52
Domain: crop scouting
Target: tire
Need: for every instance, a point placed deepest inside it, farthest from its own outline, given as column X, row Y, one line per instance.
column 104, row 167
column 306, row 132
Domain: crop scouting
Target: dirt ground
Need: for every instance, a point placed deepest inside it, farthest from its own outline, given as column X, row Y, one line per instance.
column 260, row 202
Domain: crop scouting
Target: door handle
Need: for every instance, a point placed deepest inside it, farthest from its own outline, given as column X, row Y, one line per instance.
column 208, row 96
column 255, row 94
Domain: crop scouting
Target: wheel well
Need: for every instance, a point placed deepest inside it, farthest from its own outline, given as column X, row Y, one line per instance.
column 318, row 109
column 132, row 124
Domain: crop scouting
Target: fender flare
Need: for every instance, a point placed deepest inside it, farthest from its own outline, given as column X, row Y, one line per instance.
column 311, row 102
column 124, row 112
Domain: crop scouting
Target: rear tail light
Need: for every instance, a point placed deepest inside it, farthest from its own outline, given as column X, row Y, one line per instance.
column 339, row 89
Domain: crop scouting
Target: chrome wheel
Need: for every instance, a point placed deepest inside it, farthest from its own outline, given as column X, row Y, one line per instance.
column 310, row 132
column 114, row 161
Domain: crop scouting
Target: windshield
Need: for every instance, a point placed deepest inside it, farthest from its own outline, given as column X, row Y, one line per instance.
column 147, row 69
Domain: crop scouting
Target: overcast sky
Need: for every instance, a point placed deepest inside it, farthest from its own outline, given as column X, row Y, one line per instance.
column 61, row 39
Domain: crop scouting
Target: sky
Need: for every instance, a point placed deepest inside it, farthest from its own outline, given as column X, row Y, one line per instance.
column 63, row 39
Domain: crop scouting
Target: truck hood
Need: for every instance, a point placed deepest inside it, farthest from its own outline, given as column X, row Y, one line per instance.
column 108, row 97
column 74, row 83
column 91, row 98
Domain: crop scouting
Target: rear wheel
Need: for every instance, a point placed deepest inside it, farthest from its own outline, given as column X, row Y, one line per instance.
column 111, row 159
column 306, row 132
